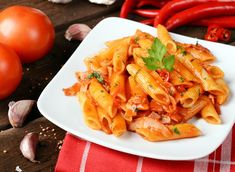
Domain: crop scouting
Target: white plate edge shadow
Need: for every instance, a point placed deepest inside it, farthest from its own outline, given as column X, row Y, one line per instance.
column 101, row 142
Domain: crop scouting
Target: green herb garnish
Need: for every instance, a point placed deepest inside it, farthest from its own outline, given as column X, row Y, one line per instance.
column 181, row 79
column 184, row 53
column 157, row 58
column 97, row 76
column 176, row 130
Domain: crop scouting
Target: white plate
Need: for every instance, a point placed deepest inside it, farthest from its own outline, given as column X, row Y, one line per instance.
column 66, row 112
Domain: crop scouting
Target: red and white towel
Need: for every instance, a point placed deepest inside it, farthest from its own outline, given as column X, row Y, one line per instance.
column 82, row 156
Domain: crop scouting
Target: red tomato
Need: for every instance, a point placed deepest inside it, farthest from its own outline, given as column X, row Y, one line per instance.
column 10, row 71
column 28, row 31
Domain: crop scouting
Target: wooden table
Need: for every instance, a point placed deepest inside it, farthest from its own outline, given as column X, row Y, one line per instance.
column 37, row 75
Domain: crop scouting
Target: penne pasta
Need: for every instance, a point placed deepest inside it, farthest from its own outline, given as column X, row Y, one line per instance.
column 214, row 71
column 117, row 86
column 209, row 113
column 89, row 111
column 191, row 96
column 188, row 113
column 221, row 99
column 105, row 120
column 194, row 66
column 166, row 39
column 184, row 72
column 148, row 84
column 118, row 125
column 199, row 52
column 120, row 58
column 102, row 97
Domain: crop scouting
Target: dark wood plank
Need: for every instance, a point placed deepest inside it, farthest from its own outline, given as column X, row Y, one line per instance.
column 47, row 152
column 61, row 15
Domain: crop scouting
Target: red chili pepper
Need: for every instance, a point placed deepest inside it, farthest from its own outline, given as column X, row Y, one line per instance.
column 164, row 74
column 224, row 21
column 127, row 6
column 211, row 37
column 199, row 12
column 175, row 6
column 147, row 21
column 215, row 33
column 149, row 13
column 180, row 88
column 154, row 3
column 224, row 35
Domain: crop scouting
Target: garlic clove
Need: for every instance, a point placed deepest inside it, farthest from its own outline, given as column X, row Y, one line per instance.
column 77, row 32
column 18, row 111
column 60, row 1
column 28, row 146
column 105, row 2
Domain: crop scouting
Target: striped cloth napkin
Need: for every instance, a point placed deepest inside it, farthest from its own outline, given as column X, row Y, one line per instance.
column 82, row 156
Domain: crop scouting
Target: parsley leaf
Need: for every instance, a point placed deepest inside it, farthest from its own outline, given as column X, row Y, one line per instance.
column 176, row 130
column 97, row 76
column 169, row 62
column 156, row 59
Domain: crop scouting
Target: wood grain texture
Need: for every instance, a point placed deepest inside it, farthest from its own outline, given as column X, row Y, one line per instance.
column 47, row 151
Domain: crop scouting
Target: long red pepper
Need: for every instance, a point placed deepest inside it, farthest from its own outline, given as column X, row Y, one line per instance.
column 127, row 7
column 147, row 21
column 175, row 6
column 149, row 13
column 154, row 3
column 199, row 12
column 223, row 21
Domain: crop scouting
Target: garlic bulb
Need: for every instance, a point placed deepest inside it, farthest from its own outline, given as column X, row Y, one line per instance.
column 18, row 111
column 77, row 32
column 105, row 2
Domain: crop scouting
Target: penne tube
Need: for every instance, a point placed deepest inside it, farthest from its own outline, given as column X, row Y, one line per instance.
column 117, row 86
column 194, row 65
column 199, row 52
column 117, row 42
column 120, row 57
column 188, row 113
column 184, row 72
column 191, row 96
column 166, row 39
column 184, row 130
column 135, row 89
column 92, row 64
column 138, row 54
column 209, row 113
column 145, row 43
column 105, row 120
column 148, row 84
column 214, row 71
column 118, row 125
column 102, row 97
column 152, row 124
column 89, row 111
column 221, row 99
column 177, row 79
column 139, row 35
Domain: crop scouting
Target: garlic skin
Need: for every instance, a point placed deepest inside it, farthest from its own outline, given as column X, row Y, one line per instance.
column 28, row 146
column 105, row 2
column 60, row 1
column 77, row 32
column 18, row 111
